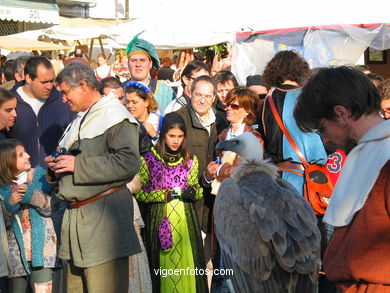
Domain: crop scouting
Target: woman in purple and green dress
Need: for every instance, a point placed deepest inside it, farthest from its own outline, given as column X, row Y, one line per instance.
column 169, row 178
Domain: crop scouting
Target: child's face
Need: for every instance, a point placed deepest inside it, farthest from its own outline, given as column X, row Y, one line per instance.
column 22, row 159
column 174, row 138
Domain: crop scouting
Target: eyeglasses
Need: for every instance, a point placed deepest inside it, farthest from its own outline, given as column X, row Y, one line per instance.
column 200, row 96
column 233, row 106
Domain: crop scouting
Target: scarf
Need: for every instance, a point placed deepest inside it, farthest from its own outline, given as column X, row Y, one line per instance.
column 359, row 174
column 107, row 112
column 37, row 225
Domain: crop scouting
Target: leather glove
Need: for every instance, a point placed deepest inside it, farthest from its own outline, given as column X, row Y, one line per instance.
column 188, row 194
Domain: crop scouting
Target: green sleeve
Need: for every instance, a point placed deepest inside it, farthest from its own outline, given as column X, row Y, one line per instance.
column 193, row 178
column 154, row 195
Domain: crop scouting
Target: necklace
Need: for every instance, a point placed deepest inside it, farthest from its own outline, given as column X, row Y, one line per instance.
column 173, row 157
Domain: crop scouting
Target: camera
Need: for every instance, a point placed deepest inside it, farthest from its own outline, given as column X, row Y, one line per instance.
column 64, row 151
column 176, row 192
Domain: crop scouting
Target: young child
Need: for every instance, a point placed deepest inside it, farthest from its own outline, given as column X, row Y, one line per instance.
column 31, row 236
column 169, row 179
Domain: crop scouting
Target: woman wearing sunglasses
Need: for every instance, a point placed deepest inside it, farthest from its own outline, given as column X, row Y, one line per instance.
column 241, row 107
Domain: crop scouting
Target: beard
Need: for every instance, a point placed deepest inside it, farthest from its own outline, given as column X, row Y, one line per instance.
column 349, row 144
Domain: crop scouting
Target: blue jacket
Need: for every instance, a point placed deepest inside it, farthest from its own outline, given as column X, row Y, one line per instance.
column 40, row 135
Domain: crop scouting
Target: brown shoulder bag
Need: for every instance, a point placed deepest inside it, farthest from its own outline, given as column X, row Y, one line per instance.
column 317, row 186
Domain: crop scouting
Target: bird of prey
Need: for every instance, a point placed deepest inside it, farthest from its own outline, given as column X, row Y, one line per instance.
column 267, row 232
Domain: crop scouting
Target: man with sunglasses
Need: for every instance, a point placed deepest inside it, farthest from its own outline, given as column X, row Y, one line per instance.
column 101, row 156
column 343, row 106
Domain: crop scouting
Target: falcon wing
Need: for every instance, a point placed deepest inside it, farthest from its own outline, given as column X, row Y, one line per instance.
column 267, row 231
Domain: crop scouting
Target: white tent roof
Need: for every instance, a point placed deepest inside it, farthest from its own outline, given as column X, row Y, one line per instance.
column 172, row 32
column 174, row 24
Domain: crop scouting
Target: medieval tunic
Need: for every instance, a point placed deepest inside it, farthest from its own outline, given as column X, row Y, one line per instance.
column 100, row 231
column 157, row 176
column 357, row 257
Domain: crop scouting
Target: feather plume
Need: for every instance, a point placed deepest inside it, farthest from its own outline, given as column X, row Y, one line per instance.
column 130, row 45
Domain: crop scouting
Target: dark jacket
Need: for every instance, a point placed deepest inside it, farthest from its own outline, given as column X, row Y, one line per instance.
column 4, row 135
column 221, row 119
column 144, row 140
column 199, row 142
column 40, row 135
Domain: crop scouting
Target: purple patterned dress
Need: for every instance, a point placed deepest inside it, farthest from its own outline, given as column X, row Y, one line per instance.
column 157, row 177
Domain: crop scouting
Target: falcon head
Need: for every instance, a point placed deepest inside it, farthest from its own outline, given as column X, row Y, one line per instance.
column 246, row 145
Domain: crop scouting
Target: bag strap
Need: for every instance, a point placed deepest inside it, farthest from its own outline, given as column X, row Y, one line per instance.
column 262, row 114
column 286, row 133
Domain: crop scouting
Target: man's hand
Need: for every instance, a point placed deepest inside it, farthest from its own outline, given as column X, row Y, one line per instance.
column 18, row 195
column 211, row 170
column 64, row 163
column 50, row 162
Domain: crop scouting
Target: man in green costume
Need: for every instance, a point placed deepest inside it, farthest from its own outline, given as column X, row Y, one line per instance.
column 102, row 143
column 142, row 57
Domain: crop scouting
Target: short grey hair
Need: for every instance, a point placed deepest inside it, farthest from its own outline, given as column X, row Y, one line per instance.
column 206, row 79
column 75, row 72
column 19, row 64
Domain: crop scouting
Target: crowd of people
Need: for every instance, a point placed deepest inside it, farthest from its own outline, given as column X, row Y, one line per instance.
column 108, row 176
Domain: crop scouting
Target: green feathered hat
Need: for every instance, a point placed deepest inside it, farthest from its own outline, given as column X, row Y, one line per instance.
column 140, row 46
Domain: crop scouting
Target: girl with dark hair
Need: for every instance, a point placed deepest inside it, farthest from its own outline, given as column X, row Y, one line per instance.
column 169, row 178
column 31, row 237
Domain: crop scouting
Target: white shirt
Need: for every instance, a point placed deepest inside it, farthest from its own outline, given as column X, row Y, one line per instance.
column 206, row 123
column 35, row 103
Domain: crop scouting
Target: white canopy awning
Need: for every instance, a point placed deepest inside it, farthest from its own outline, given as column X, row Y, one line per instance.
column 29, row 11
column 21, row 44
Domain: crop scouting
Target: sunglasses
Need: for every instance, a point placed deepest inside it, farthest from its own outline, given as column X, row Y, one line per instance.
column 233, row 106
